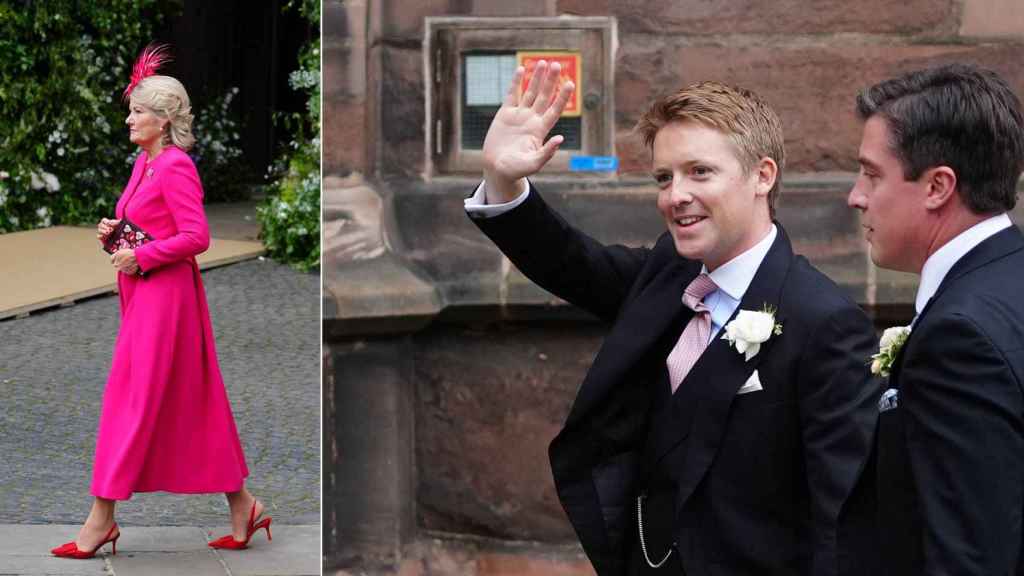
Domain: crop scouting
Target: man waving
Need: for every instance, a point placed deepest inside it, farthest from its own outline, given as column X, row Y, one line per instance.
column 726, row 419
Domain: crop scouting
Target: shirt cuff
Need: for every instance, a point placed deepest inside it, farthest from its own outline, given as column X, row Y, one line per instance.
column 477, row 207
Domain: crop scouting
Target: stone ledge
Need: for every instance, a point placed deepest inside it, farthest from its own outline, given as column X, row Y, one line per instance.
column 434, row 259
column 380, row 295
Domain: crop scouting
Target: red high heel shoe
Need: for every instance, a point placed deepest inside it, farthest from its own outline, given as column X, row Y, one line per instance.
column 228, row 542
column 71, row 550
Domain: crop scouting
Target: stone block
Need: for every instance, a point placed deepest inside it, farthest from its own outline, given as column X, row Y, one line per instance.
column 344, row 136
column 432, row 231
column 640, row 77
column 372, row 500
column 524, row 565
column 352, row 212
column 402, row 113
column 992, row 19
column 334, row 20
column 811, row 88
column 521, row 8
column 718, row 17
column 334, row 63
column 585, row 7
column 634, row 156
column 489, row 400
column 403, row 20
column 469, row 557
column 380, row 295
column 329, row 458
column 476, row 558
column 344, row 49
column 344, row 69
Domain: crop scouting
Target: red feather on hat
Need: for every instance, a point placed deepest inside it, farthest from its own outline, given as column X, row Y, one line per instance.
column 152, row 57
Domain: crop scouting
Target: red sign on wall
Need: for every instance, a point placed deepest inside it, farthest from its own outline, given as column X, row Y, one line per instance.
column 571, row 63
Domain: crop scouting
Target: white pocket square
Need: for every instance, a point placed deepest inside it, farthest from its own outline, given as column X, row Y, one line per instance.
column 753, row 384
column 890, row 400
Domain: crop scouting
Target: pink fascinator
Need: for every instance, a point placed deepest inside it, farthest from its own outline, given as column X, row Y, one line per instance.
column 152, row 57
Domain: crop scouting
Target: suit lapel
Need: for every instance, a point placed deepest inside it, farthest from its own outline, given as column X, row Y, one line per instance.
column 999, row 245
column 645, row 319
column 709, row 389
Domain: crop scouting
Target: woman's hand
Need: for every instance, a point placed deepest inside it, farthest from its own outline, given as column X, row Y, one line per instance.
column 124, row 261
column 105, row 227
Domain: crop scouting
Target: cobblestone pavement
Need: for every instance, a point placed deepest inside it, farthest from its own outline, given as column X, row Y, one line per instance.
column 53, row 367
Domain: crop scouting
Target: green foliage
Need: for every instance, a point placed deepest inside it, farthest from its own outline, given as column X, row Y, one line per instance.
column 64, row 152
column 290, row 216
column 309, row 9
column 218, row 152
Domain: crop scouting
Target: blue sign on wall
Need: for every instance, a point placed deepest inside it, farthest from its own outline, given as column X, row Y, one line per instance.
column 593, row 163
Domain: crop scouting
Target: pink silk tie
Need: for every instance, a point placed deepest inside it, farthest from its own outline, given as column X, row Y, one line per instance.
column 694, row 338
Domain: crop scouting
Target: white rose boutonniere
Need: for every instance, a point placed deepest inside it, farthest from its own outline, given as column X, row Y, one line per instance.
column 892, row 340
column 750, row 329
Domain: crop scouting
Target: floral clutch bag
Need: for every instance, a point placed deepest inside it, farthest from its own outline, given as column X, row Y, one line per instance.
column 125, row 235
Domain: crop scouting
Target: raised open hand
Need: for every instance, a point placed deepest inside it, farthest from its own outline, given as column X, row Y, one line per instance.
column 514, row 147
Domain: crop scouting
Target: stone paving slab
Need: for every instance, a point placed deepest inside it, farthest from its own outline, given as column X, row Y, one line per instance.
column 294, row 550
column 194, row 563
column 33, row 566
column 25, row 549
column 158, row 551
column 136, row 540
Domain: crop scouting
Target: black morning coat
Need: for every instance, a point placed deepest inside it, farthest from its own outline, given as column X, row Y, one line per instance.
column 762, row 478
column 950, row 466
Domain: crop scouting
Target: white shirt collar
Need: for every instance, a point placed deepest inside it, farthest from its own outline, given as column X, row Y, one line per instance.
column 942, row 260
column 735, row 276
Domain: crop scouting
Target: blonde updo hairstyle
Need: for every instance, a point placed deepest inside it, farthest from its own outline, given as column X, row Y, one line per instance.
column 167, row 98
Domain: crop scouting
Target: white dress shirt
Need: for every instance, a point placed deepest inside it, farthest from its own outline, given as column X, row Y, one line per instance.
column 938, row 264
column 732, row 278
column 477, row 206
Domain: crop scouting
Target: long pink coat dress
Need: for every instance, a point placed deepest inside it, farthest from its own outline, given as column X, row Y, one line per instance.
column 166, row 423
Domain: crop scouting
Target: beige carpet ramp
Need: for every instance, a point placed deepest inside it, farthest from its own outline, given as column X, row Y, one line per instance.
column 59, row 265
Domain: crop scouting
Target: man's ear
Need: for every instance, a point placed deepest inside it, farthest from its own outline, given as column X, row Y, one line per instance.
column 941, row 186
column 767, row 172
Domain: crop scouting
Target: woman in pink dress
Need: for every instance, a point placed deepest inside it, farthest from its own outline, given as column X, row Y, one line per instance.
column 166, row 423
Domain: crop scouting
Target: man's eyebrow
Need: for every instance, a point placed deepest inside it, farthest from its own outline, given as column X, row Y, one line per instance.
column 867, row 162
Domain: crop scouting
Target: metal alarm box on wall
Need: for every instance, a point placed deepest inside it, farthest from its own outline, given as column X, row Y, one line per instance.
column 469, row 63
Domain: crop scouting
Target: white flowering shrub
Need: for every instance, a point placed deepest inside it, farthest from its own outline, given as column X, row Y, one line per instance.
column 218, row 152
column 290, row 216
column 63, row 145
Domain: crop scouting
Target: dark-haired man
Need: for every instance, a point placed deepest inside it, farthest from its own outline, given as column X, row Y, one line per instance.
column 940, row 156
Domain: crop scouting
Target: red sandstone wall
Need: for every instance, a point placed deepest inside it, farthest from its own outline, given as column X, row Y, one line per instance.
column 807, row 58
column 484, row 403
